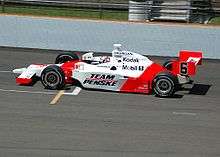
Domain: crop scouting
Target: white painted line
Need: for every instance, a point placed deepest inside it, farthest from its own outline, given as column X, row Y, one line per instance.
column 76, row 91
column 30, row 92
column 185, row 113
column 5, row 71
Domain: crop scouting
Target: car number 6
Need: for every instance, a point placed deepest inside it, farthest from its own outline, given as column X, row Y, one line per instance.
column 184, row 68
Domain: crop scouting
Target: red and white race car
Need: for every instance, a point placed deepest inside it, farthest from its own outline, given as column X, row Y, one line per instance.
column 123, row 71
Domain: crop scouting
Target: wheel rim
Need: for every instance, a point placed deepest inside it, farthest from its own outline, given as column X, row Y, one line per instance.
column 164, row 86
column 52, row 79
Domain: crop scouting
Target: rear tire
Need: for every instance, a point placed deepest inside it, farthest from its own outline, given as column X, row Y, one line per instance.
column 164, row 84
column 168, row 65
column 65, row 57
column 53, row 77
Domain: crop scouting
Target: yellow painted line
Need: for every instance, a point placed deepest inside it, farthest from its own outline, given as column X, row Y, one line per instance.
column 57, row 97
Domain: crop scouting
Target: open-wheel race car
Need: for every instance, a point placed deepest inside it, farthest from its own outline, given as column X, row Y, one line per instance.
column 123, row 71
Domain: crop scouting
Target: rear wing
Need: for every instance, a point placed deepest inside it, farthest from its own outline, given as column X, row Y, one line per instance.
column 190, row 56
column 187, row 62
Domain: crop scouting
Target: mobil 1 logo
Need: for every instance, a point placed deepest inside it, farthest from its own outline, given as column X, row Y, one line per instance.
column 133, row 68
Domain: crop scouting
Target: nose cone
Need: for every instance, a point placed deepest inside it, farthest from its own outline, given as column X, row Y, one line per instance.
column 19, row 71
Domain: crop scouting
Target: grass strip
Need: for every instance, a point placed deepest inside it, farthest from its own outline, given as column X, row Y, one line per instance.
column 67, row 12
column 215, row 21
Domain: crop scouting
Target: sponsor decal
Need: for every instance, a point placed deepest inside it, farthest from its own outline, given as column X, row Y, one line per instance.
column 100, row 80
column 122, row 53
column 103, row 66
column 134, row 60
column 79, row 66
column 193, row 59
column 128, row 67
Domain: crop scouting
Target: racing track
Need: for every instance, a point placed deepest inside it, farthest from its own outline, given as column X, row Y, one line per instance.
column 105, row 124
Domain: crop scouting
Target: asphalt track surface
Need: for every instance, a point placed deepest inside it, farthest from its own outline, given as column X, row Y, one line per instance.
column 106, row 124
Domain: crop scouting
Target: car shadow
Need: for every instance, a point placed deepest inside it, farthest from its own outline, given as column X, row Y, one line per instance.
column 196, row 89
column 175, row 96
column 199, row 89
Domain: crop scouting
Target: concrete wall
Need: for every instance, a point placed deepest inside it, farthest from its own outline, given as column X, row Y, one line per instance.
column 86, row 35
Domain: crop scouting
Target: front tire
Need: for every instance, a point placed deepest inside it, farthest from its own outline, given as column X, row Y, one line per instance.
column 53, row 77
column 65, row 57
column 164, row 85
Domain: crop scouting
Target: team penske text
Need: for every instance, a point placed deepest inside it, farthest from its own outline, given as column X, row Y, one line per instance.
column 101, row 79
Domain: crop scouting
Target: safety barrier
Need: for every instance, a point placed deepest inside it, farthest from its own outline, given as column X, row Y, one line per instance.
column 85, row 35
column 199, row 11
column 139, row 11
column 171, row 10
column 178, row 10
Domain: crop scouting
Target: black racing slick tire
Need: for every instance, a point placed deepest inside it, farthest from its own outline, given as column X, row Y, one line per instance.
column 168, row 65
column 52, row 77
column 164, row 84
column 65, row 57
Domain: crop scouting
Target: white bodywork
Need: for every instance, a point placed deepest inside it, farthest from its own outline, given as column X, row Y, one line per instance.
column 127, row 63
column 30, row 71
column 124, row 71
column 110, row 71
column 120, row 66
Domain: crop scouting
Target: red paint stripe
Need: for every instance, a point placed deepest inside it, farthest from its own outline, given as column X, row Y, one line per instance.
column 143, row 83
column 23, row 81
column 68, row 68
